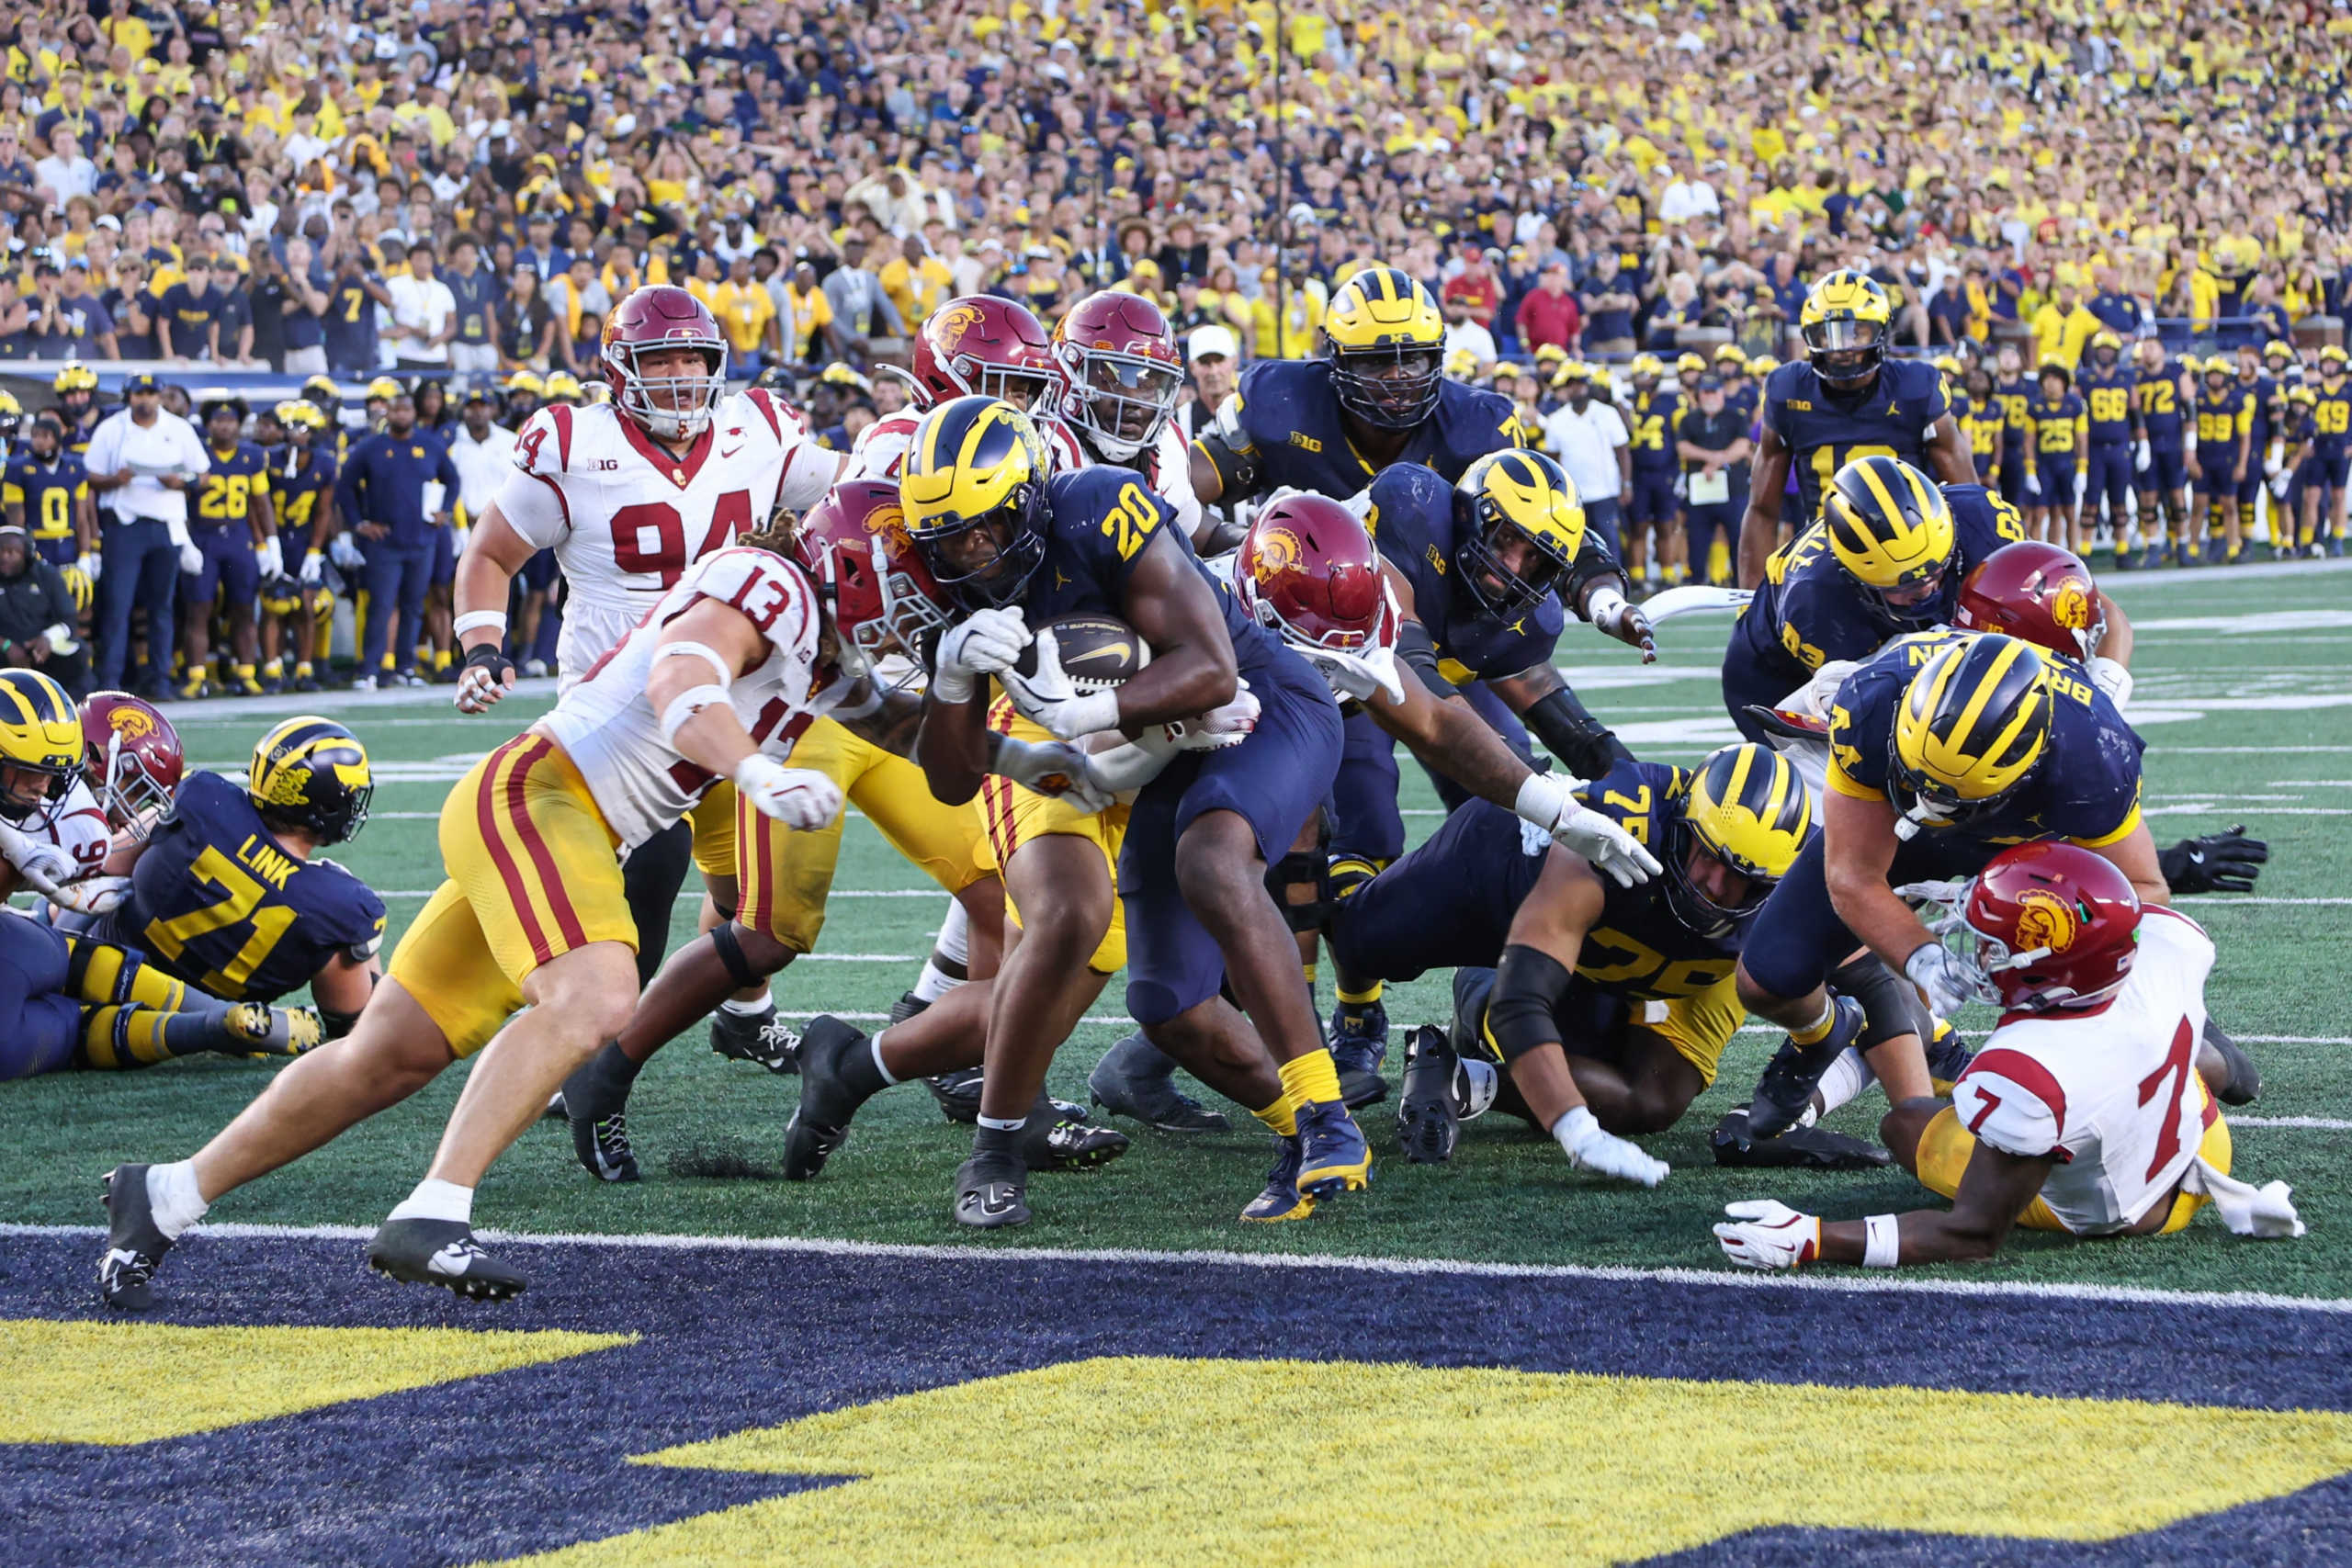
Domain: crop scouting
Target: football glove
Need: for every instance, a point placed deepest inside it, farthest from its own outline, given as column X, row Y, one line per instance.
column 45, row 868
column 1049, row 699
column 92, row 894
column 2220, row 862
column 314, row 567
column 2143, row 457
column 1614, row 616
column 801, row 799
column 270, row 556
column 2033, row 484
column 1355, row 677
column 345, row 551
column 1545, row 801
column 91, row 564
column 2281, row 482
column 986, row 644
column 1767, row 1234
column 1605, row 1154
column 485, row 677
column 191, row 560
column 1055, row 769
column 1227, row 725
column 1946, row 979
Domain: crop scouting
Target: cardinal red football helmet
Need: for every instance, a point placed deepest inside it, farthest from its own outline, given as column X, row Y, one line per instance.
column 1120, row 371
column 647, row 320
column 2038, row 593
column 133, row 756
column 1307, row 571
column 979, row 344
column 854, row 545
column 2056, row 925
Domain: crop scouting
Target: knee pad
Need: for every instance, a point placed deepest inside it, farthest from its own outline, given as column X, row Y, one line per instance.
column 1305, row 868
column 1890, row 1002
column 1343, row 875
column 731, row 954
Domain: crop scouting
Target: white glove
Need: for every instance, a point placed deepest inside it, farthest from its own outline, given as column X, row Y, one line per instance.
column 92, row 894
column 191, row 560
column 465, row 530
column 91, row 563
column 2033, row 484
column 1612, row 616
column 1056, row 769
column 270, row 556
column 1227, row 725
column 986, row 644
column 1131, row 766
column 800, row 798
column 1589, row 1148
column 1819, row 695
column 2281, row 482
column 1546, row 802
column 2113, row 679
column 60, row 638
column 2144, row 457
column 1048, row 698
column 343, row 551
column 46, row 868
column 1355, row 677
column 1946, row 979
column 314, row 567
column 1767, row 1234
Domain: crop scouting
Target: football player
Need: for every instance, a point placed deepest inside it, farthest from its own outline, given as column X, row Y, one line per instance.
column 1985, row 425
column 76, row 387
column 2219, row 462
column 629, row 495
column 2090, row 1111
column 2107, row 384
column 2058, row 424
column 718, row 681
column 1846, row 399
column 47, row 493
column 2331, row 460
column 1933, row 768
column 2162, row 400
column 1607, row 1003
column 974, row 345
column 1121, row 377
column 231, row 523
column 1651, row 502
column 1008, row 545
column 302, row 480
column 1375, row 397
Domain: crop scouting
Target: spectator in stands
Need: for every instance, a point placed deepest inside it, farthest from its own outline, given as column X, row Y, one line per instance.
column 1608, row 301
column 1550, row 316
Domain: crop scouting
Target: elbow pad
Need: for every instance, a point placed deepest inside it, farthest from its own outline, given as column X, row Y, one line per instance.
column 1238, row 469
column 1418, row 650
column 1585, row 745
column 1527, row 984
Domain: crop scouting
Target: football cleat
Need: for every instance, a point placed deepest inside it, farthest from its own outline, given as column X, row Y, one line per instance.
column 1785, row 1091
column 763, row 1039
column 905, row 1007
column 1052, row 1140
column 135, row 1247
column 596, row 1102
column 601, row 1144
column 1282, row 1199
column 1335, row 1157
column 1803, row 1148
column 2244, row 1085
column 819, row 1126
column 308, row 684
column 443, row 1253
column 1947, row 1056
column 255, row 1028
column 1427, row 1121
column 990, row 1193
column 1136, row 1080
column 1359, row 1045
column 958, row 1094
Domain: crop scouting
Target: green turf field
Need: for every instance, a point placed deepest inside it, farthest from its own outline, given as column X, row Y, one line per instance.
column 2243, row 692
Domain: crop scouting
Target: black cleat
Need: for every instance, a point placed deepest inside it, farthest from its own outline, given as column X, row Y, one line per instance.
column 1785, row 1091
column 443, row 1253
column 905, row 1007
column 603, row 1146
column 990, row 1193
column 1427, row 1121
column 1136, row 1080
column 958, row 1094
column 1799, row 1148
column 2244, row 1085
column 763, row 1039
column 1057, row 1136
column 135, row 1247
column 596, row 1102
column 821, row 1125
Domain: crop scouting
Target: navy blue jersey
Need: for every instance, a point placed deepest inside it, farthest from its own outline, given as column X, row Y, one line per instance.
column 2010, row 396
column 2060, row 429
column 1639, row 950
column 2107, row 396
column 1651, row 431
column 1412, row 522
column 49, row 493
column 2264, row 396
column 1824, row 431
column 224, row 495
column 2162, row 408
column 219, row 904
column 2086, row 788
column 1100, row 519
column 295, row 491
column 1811, row 610
column 1290, row 417
column 2332, row 420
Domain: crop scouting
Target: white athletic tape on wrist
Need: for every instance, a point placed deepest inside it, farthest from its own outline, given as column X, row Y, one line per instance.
column 704, row 651
column 684, row 705
column 1881, row 1241
column 479, row 620
column 1603, row 605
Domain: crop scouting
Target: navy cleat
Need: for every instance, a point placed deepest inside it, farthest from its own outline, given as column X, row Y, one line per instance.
column 1947, row 1056
column 958, row 1094
column 1359, row 1045
column 990, row 1193
column 1334, row 1156
column 1427, row 1122
column 602, row 1148
column 829, row 1099
column 442, row 1253
column 763, row 1039
column 1784, row 1093
column 135, row 1247
column 1135, row 1079
column 1282, row 1199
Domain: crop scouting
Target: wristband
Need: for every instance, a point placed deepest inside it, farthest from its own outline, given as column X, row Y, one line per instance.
column 1540, row 801
column 1603, row 605
column 1881, row 1241
column 479, row 620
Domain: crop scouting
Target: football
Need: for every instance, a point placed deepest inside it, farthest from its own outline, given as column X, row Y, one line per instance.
column 1099, row 653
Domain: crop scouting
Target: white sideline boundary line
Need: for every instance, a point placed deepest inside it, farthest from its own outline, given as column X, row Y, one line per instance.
column 2322, row 1124
column 1599, row 1274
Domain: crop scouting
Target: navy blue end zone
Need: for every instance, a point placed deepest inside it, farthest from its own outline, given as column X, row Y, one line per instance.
column 737, row 1337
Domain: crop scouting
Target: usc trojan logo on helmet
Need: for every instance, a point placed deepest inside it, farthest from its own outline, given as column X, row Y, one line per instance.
column 1278, row 555
column 2070, row 604
column 952, row 321
column 132, row 724
column 2045, row 921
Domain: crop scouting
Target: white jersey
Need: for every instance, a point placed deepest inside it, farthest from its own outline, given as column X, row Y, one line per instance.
column 607, row 724
column 881, row 449
column 2113, row 1092
column 626, row 518
column 1165, row 467
column 78, row 827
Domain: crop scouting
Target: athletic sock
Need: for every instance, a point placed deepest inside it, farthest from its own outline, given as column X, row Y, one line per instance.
column 117, row 1039
column 938, row 979
column 99, row 972
column 601, row 1086
column 437, row 1199
column 1846, row 1077
column 174, row 1198
column 862, row 1073
column 1314, row 972
column 302, row 669
column 881, row 1067
column 1280, row 1118
column 440, row 660
column 1815, row 1033
column 1312, row 1078
column 1368, row 997
column 742, row 1008
column 998, row 1142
